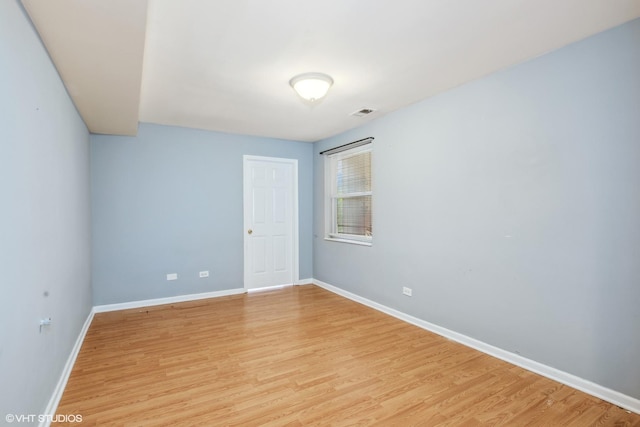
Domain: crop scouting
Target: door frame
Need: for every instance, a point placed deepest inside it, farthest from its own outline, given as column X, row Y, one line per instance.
column 295, row 256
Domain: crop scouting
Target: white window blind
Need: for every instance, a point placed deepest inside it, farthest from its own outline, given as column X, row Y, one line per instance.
column 349, row 195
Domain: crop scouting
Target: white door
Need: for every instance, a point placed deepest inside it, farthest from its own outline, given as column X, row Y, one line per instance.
column 270, row 222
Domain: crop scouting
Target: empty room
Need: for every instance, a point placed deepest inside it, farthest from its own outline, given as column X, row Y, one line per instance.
column 331, row 213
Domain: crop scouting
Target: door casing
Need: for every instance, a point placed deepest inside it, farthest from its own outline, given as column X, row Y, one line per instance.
column 247, row 219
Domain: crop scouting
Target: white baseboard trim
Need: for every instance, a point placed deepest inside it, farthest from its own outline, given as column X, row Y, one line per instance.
column 303, row 281
column 167, row 300
column 604, row 393
column 64, row 376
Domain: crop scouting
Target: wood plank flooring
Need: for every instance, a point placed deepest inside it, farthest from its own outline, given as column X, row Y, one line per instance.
column 303, row 356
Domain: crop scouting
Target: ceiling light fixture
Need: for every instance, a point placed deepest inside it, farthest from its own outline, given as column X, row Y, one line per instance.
column 311, row 86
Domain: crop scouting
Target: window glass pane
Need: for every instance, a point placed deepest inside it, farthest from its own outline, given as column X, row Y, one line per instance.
column 353, row 215
column 354, row 173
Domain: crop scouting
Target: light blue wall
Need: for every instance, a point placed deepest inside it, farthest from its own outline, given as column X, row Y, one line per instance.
column 44, row 218
column 170, row 201
column 511, row 206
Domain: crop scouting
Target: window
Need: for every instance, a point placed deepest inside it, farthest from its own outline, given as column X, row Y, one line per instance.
column 349, row 195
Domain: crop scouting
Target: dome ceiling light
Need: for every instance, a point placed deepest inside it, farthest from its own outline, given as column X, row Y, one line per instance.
column 311, row 86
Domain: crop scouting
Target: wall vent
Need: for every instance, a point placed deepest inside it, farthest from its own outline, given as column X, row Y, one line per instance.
column 363, row 112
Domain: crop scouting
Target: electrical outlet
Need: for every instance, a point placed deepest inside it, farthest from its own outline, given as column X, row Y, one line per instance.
column 204, row 274
column 45, row 322
column 407, row 291
column 172, row 276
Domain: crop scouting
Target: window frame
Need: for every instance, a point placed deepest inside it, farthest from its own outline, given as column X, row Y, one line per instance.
column 331, row 197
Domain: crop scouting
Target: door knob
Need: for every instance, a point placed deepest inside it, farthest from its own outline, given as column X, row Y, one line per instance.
column 249, row 231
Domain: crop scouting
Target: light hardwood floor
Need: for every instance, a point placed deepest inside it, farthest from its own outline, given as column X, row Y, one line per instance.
column 303, row 356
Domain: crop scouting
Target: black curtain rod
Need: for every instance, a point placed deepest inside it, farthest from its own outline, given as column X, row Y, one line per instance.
column 345, row 147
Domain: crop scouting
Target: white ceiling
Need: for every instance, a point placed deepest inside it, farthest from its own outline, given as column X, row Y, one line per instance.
column 98, row 48
column 225, row 65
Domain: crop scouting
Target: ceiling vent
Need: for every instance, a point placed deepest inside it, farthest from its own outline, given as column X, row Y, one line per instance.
column 363, row 112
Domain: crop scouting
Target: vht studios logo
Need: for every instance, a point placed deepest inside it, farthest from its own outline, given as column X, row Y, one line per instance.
column 29, row 418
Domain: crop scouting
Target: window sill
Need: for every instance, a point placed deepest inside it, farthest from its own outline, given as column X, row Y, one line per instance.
column 353, row 242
